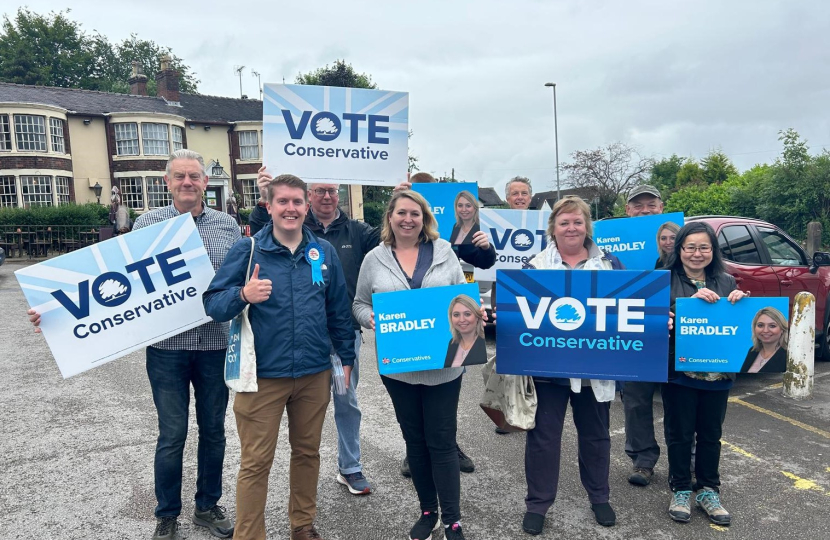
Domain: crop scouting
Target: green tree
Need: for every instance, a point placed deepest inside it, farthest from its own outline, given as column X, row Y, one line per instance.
column 716, row 167
column 689, row 173
column 340, row 74
column 664, row 174
column 53, row 50
column 45, row 50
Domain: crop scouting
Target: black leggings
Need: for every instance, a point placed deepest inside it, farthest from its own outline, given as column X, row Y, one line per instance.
column 427, row 416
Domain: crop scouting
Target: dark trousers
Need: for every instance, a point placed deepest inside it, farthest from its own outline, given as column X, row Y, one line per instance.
column 544, row 445
column 640, row 443
column 171, row 373
column 427, row 416
column 689, row 412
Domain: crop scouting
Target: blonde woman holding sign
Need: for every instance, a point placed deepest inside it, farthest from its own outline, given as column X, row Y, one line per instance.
column 412, row 256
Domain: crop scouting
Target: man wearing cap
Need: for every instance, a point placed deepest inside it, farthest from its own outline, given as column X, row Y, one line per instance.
column 640, row 444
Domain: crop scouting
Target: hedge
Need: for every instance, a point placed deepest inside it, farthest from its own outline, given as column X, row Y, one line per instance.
column 90, row 214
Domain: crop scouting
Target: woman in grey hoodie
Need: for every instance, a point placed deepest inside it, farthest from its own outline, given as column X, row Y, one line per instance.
column 412, row 256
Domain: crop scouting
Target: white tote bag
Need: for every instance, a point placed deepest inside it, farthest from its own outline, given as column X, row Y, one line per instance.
column 240, row 359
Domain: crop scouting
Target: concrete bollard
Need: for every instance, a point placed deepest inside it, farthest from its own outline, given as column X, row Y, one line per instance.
column 798, row 379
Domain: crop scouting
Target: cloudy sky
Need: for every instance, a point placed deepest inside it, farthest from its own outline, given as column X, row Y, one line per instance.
column 675, row 76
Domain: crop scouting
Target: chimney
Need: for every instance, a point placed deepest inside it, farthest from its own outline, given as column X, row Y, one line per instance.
column 167, row 81
column 138, row 80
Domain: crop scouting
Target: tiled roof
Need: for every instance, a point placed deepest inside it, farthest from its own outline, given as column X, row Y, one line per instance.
column 550, row 196
column 489, row 197
column 193, row 107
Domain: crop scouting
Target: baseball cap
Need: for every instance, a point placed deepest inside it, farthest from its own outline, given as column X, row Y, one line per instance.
column 644, row 189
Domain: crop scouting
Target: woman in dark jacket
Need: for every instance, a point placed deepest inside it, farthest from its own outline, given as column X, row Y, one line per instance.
column 466, row 218
column 695, row 402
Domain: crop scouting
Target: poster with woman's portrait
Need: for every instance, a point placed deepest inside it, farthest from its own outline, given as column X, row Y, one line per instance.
column 455, row 206
column 750, row 336
column 432, row 328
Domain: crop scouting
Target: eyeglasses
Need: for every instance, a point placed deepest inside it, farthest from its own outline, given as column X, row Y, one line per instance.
column 321, row 192
column 702, row 249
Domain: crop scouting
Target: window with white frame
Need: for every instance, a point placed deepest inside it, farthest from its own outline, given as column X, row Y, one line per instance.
column 62, row 189
column 178, row 138
column 157, row 194
column 56, row 131
column 36, row 190
column 248, row 145
column 132, row 194
column 8, row 192
column 5, row 133
column 30, row 132
column 250, row 193
column 126, row 139
column 154, row 139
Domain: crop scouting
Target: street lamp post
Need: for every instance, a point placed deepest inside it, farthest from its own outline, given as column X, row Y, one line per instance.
column 556, row 139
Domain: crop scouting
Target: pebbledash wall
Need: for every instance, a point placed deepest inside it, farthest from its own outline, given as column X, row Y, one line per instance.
column 57, row 143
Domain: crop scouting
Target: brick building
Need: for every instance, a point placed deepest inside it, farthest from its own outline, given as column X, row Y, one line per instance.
column 56, row 144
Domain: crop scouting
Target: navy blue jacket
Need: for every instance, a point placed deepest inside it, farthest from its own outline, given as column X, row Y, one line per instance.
column 290, row 336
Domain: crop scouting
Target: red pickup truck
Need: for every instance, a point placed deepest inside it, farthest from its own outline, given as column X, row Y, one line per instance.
column 767, row 262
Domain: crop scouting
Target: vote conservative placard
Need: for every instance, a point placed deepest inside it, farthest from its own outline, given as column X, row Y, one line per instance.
column 450, row 204
column 591, row 324
column 109, row 299
column 415, row 329
column 517, row 235
column 728, row 338
column 633, row 240
column 336, row 135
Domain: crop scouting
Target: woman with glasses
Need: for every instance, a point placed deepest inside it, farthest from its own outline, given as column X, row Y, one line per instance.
column 694, row 403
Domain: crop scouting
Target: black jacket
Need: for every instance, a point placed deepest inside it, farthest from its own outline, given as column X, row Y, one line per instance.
column 470, row 254
column 477, row 354
column 682, row 287
column 351, row 239
column 467, row 239
column 776, row 364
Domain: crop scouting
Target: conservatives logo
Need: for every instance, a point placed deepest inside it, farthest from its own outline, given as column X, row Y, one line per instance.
column 569, row 315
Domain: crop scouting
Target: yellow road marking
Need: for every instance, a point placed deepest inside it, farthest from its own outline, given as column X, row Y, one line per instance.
column 718, row 527
column 798, row 482
column 802, row 425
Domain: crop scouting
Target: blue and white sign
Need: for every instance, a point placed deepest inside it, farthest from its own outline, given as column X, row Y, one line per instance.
column 455, row 207
column 633, row 240
column 517, row 235
column 336, row 135
column 749, row 336
column 421, row 329
column 589, row 324
column 108, row 299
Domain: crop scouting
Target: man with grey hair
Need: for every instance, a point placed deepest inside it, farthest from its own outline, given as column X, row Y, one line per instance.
column 518, row 193
column 195, row 357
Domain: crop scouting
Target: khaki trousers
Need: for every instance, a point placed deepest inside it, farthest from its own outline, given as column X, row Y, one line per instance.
column 258, row 416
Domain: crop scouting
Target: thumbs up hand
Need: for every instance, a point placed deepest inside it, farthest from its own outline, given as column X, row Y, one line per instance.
column 257, row 290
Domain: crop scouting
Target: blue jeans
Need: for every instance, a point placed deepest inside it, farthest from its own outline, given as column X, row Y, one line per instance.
column 170, row 374
column 347, row 417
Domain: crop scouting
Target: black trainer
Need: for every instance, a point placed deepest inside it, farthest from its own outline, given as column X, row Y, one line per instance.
column 167, row 528
column 604, row 514
column 453, row 532
column 422, row 530
column 533, row 523
column 215, row 520
column 464, row 462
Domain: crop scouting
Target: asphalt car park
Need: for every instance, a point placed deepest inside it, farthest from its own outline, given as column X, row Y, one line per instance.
column 78, row 454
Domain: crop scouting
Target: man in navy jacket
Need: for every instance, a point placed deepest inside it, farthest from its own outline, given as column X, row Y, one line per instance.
column 296, row 283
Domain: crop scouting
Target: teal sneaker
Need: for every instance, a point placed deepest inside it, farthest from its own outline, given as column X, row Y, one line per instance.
column 708, row 500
